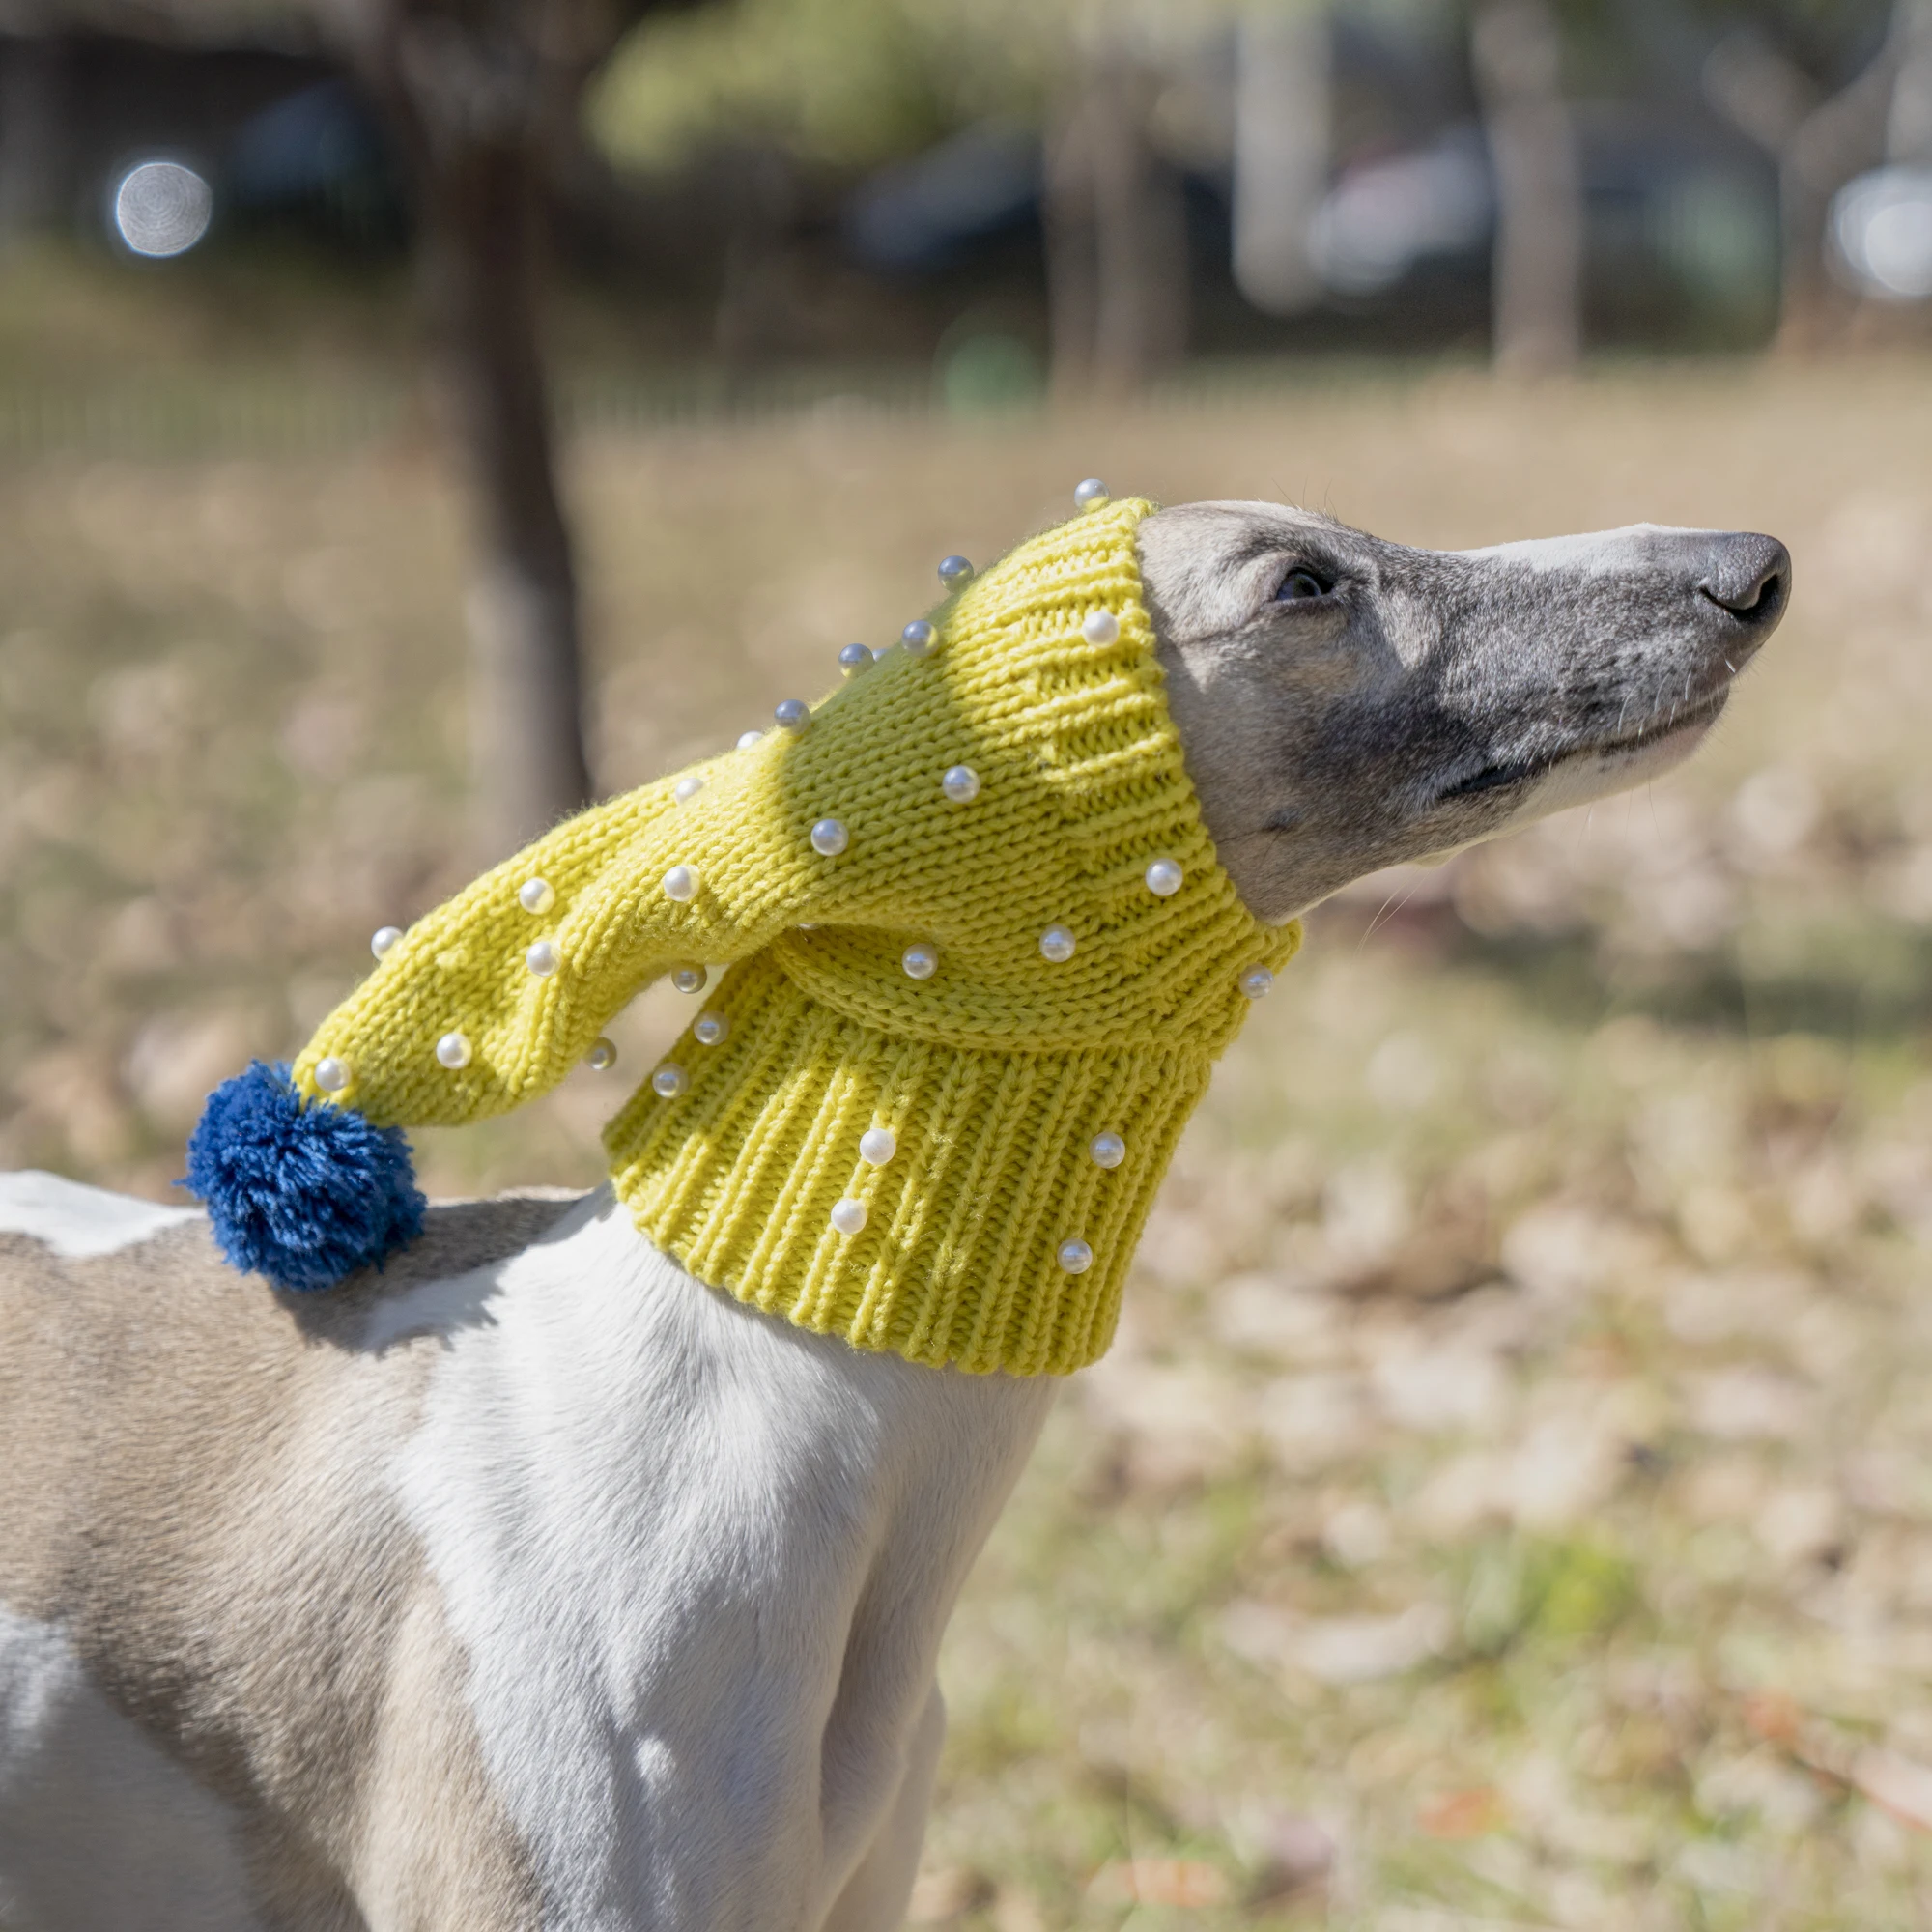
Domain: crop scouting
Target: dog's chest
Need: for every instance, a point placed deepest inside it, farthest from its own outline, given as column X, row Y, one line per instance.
column 661, row 1523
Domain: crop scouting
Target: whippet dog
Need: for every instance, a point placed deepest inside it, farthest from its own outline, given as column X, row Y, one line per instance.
column 530, row 1583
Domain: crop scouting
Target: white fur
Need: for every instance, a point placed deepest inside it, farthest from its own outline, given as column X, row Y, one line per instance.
column 162, row 1853
column 1593, row 775
column 699, row 1562
column 80, row 1222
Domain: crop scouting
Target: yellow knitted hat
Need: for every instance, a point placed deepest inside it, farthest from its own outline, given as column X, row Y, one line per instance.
column 984, row 958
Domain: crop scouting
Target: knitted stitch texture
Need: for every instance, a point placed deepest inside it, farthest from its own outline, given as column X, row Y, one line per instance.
column 994, row 1075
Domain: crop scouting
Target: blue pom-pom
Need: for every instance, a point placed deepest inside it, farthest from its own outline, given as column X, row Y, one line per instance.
column 303, row 1194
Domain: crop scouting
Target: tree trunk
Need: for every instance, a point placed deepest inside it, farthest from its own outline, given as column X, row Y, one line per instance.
column 1539, row 252
column 481, row 263
column 1832, row 144
column 476, row 106
column 1073, row 266
column 1908, row 123
column 1116, row 238
column 33, row 124
column 1281, row 155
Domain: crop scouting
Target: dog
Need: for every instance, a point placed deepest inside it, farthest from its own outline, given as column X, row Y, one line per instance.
column 530, row 1582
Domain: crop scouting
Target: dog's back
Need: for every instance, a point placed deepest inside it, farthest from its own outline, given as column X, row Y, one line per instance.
column 208, row 1609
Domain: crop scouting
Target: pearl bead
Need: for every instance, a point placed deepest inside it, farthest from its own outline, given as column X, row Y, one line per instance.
column 961, row 783
column 1075, row 1257
column 384, row 937
column 453, row 1050
column 1055, row 942
column 748, row 739
column 1102, row 627
column 689, row 787
column 954, row 571
column 669, row 1081
column 536, row 895
column 1107, row 1150
column 1258, row 982
column 543, row 959
column 877, row 1145
column 680, row 883
column 793, row 713
column 848, row 1216
column 855, row 659
column 710, row 1029
column 602, row 1057
column 1163, row 878
column 917, row 638
column 1090, row 495
column 332, row 1075
column 688, row 979
column 920, row 961
column 829, row 838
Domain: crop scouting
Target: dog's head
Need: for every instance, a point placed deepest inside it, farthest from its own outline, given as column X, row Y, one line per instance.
column 1346, row 703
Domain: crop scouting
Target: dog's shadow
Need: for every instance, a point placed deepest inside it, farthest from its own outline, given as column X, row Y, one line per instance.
column 445, row 1281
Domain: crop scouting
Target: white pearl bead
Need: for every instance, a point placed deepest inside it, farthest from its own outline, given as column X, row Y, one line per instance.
column 829, row 838
column 1258, row 982
column 877, row 1145
column 848, row 1216
column 1055, row 942
column 710, row 1029
column 453, row 1050
column 920, row 961
column 748, row 739
column 602, row 1057
column 1107, row 1150
column 1090, row 495
column 331, row 1074
column 1075, row 1257
column 855, row 659
column 543, row 959
column 680, row 883
column 1102, row 627
column 669, row 1081
column 536, row 895
column 688, row 979
column 383, row 938
column 1163, row 878
column 917, row 638
column 961, row 783
column 689, row 787
column 793, row 713
column 954, row 571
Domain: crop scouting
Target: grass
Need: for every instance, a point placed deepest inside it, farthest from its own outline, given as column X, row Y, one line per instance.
column 1508, row 1503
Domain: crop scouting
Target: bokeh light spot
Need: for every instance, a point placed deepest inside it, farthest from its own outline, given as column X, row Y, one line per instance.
column 1882, row 223
column 161, row 208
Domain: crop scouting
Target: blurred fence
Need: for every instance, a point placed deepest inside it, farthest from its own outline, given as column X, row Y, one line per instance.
column 232, row 415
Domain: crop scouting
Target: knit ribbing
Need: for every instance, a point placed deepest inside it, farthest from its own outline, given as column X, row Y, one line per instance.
column 994, row 1075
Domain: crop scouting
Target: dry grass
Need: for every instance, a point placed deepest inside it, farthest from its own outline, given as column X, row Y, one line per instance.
column 1510, row 1501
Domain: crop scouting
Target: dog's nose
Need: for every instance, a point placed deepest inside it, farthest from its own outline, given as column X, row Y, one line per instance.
column 1749, row 576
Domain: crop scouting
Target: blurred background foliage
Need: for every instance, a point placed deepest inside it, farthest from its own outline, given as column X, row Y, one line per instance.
column 1507, row 1502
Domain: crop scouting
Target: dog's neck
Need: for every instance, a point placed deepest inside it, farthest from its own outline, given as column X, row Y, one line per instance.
column 683, row 1468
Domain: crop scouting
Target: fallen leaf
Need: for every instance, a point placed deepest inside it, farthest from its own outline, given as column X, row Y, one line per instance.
column 1158, row 1881
column 1465, row 1814
column 1900, row 1786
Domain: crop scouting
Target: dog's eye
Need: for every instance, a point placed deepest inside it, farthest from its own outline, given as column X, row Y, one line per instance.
column 1300, row 583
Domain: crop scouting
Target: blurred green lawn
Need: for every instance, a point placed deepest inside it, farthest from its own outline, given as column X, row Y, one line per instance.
column 1508, row 1503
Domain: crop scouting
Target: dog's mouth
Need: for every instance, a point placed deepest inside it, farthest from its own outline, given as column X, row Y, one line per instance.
column 1682, row 723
